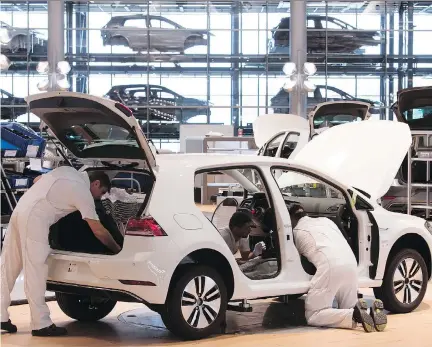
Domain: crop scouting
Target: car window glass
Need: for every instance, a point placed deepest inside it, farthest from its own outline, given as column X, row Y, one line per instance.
column 136, row 23
column 290, row 143
column 329, row 120
column 331, row 25
column 311, row 23
column 331, row 94
column 317, row 197
column 273, row 145
column 157, row 23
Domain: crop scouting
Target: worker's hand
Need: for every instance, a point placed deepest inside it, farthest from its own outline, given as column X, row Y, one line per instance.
column 259, row 248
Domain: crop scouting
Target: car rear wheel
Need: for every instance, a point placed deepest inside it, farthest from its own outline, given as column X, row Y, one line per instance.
column 405, row 282
column 196, row 304
column 84, row 308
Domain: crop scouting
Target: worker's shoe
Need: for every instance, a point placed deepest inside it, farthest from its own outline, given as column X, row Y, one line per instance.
column 361, row 316
column 378, row 315
column 52, row 330
column 9, row 327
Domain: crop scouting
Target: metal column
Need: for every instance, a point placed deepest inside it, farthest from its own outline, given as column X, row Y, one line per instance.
column 81, row 41
column 410, row 43
column 235, row 66
column 401, row 47
column 56, row 38
column 298, row 52
column 383, row 94
column 391, row 53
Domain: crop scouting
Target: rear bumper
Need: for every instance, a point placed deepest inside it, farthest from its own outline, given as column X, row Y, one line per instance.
column 102, row 276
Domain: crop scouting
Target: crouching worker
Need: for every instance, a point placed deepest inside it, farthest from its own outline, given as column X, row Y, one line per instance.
column 322, row 243
column 236, row 236
column 26, row 247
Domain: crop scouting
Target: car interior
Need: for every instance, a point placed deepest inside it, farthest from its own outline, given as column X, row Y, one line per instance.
column 319, row 199
column 242, row 190
column 125, row 199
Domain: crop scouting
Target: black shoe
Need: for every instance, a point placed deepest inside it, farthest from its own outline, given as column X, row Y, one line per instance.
column 378, row 315
column 52, row 330
column 9, row 327
column 361, row 316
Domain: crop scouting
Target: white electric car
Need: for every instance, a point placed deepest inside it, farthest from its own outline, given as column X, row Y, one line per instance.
column 174, row 260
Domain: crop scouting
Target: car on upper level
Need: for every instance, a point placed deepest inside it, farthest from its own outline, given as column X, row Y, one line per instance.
column 150, row 32
column 324, row 34
column 174, row 260
column 322, row 93
column 16, row 40
column 11, row 106
column 159, row 102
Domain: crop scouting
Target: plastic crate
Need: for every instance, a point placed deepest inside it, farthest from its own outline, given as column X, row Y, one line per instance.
column 18, row 181
column 8, row 150
column 16, row 134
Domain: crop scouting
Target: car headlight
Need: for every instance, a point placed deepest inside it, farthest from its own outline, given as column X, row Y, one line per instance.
column 428, row 226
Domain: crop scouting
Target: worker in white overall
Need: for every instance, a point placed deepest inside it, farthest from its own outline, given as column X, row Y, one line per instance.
column 322, row 243
column 26, row 247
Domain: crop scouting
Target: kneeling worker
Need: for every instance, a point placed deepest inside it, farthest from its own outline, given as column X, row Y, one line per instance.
column 322, row 243
column 236, row 236
column 53, row 196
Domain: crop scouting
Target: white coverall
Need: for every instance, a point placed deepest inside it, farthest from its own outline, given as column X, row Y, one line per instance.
column 26, row 246
column 323, row 244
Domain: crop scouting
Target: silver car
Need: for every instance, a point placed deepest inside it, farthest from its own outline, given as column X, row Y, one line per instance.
column 413, row 107
column 142, row 32
column 14, row 40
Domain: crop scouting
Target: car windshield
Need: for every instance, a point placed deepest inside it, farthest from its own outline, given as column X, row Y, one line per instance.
column 84, row 136
column 419, row 114
column 336, row 119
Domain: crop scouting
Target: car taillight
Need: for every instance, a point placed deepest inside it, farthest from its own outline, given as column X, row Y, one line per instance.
column 146, row 226
column 125, row 110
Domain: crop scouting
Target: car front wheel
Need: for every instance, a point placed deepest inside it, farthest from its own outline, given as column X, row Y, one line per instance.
column 405, row 282
column 84, row 308
column 196, row 304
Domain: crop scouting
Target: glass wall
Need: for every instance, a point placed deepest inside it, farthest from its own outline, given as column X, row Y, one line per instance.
column 217, row 62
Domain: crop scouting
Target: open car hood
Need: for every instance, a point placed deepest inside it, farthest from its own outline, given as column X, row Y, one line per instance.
column 268, row 125
column 331, row 113
column 414, row 107
column 362, row 155
column 91, row 127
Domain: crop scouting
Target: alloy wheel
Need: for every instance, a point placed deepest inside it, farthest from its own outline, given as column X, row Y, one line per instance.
column 407, row 281
column 201, row 302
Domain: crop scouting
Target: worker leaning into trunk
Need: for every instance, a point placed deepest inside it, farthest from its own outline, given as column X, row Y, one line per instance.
column 26, row 247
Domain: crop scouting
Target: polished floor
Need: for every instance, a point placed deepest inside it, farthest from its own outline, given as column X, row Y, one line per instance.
column 271, row 324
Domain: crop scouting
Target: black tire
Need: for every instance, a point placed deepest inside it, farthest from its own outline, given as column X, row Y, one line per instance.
column 173, row 315
column 405, row 288
column 84, row 308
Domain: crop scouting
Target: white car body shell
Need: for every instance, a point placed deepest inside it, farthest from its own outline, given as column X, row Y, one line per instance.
column 155, row 259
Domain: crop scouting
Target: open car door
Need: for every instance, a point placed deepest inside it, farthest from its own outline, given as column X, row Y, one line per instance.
column 94, row 128
column 329, row 114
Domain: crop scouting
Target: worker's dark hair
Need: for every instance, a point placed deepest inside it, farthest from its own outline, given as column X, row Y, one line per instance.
column 240, row 218
column 100, row 176
column 296, row 212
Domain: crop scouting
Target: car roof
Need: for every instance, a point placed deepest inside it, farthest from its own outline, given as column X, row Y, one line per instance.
column 140, row 16
column 126, row 86
column 195, row 161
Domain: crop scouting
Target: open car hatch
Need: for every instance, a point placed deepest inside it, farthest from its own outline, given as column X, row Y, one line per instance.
column 362, row 155
column 329, row 114
column 414, row 107
column 91, row 127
